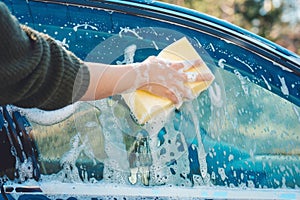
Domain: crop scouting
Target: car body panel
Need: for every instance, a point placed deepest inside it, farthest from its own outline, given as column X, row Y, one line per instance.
column 247, row 153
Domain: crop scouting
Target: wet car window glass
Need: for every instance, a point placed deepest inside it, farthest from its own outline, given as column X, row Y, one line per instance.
column 242, row 132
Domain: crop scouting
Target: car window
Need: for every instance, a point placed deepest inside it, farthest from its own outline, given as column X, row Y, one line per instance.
column 243, row 131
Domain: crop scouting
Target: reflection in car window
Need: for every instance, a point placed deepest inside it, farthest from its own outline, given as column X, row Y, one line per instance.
column 242, row 132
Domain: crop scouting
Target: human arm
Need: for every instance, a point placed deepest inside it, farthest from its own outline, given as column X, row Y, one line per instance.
column 157, row 76
column 35, row 71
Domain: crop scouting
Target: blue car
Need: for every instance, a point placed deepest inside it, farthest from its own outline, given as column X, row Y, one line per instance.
column 238, row 139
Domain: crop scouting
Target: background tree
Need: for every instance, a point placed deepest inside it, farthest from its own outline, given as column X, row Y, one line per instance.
column 276, row 20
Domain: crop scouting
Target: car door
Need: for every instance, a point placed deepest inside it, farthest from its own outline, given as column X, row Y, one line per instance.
column 242, row 132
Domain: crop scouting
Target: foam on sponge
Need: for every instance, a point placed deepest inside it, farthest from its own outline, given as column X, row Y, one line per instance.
column 146, row 106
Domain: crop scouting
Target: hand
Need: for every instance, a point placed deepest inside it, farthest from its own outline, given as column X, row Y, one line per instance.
column 167, row 79
column 160, row 77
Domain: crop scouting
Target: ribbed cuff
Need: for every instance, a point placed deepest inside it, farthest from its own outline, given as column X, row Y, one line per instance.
column 81, row 83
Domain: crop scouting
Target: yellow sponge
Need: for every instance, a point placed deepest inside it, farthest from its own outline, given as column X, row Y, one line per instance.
column 146, row 106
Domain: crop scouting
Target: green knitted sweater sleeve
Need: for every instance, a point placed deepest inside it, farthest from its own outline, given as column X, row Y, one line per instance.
column 35, row 71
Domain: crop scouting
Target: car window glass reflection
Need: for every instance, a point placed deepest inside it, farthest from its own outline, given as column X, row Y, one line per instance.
column 237, row 133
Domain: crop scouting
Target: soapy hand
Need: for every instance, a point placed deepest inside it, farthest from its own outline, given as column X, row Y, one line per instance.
column 167, row 79
column 160, row 77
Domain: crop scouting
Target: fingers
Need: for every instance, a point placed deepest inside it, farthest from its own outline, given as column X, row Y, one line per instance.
column 205, row 77
column 191, row 76
column 177, row 66
column 168, row 79
column 178, row 96
column 197, row 77
column 183, row 66
column 161, row 91
column 171, row 96
column 175, row 93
